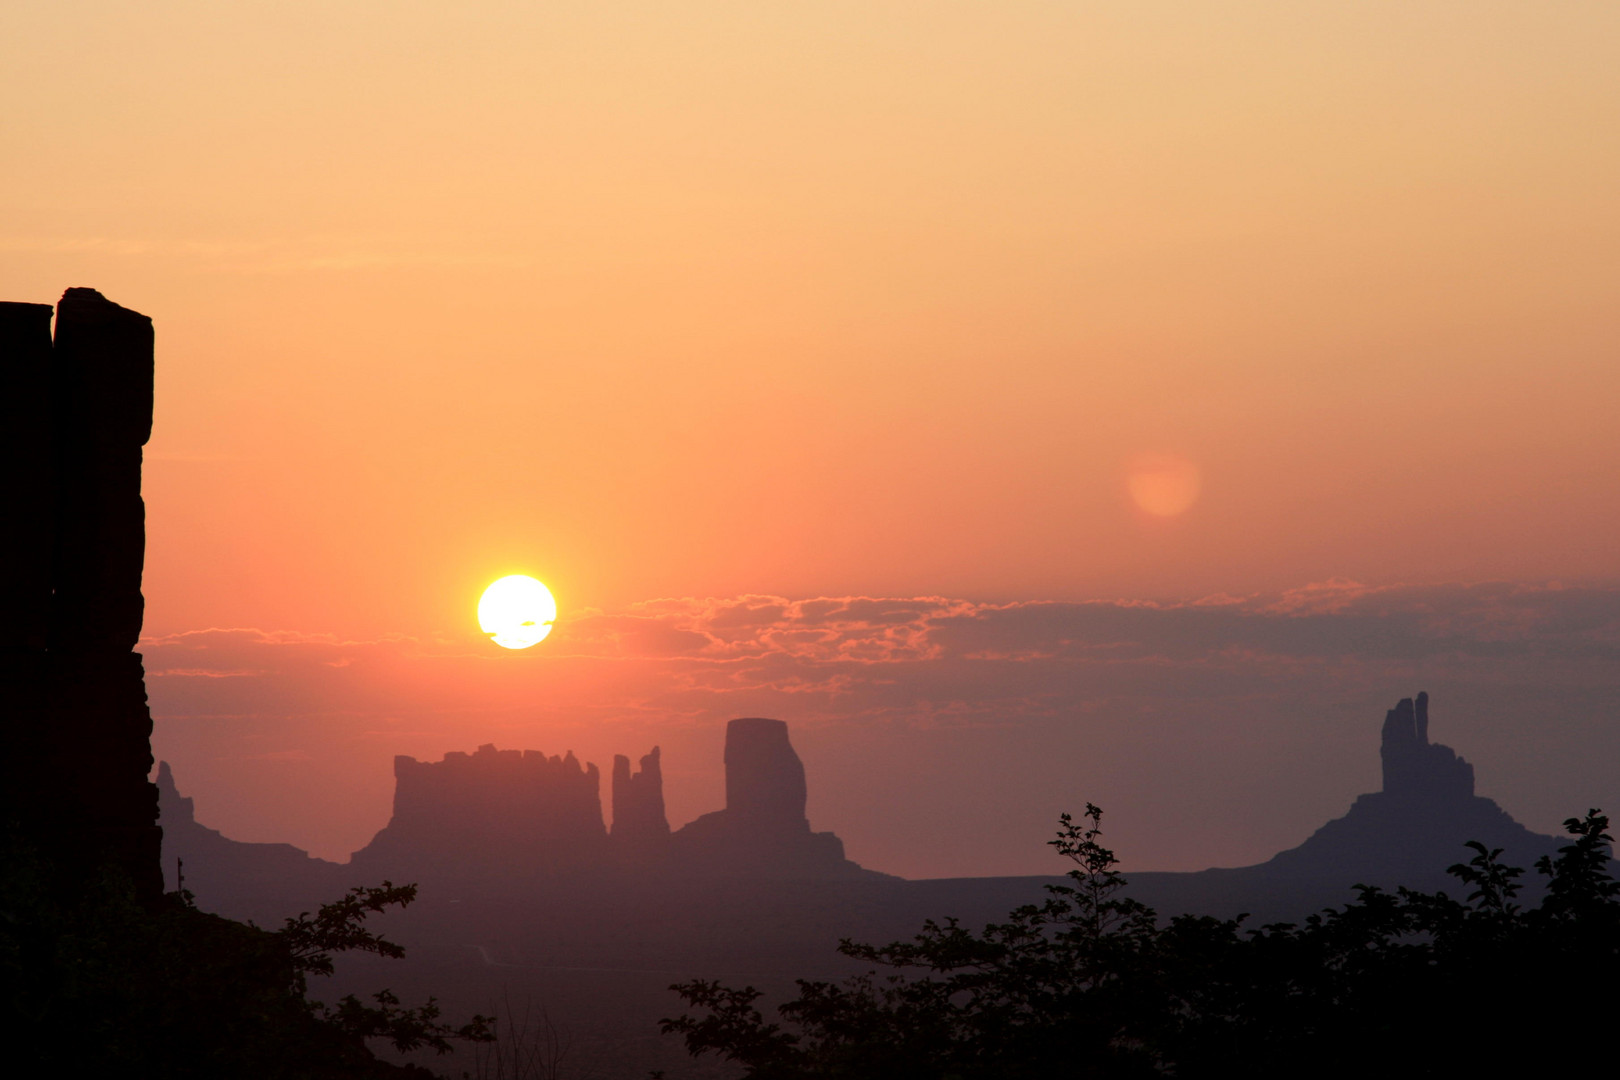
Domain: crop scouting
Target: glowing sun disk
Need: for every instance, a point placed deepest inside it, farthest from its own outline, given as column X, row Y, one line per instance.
column 517, row 611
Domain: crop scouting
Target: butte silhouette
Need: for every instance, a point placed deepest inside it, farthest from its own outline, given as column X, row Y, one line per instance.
column 75, row 411
column 508, row 823
column 1406, row 834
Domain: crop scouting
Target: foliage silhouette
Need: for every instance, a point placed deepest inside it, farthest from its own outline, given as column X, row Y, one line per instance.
column 101, row 984
column 1093, row 984
column 340, row 927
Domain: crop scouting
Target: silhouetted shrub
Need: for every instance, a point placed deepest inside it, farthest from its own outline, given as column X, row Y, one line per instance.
column 1093, row 984
column 100, row 985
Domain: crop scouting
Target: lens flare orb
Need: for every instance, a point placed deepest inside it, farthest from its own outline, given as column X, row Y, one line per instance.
column 517, row 611
column 1163, row 485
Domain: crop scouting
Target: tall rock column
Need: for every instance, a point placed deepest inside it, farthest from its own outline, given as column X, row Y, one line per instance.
column 80, row 792
column 763, row 831
column 765, row 789
column 638, row 800
column 101, row 399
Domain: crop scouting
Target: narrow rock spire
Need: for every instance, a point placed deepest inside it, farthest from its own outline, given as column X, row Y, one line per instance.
column 1413, row 766
column 638, row 800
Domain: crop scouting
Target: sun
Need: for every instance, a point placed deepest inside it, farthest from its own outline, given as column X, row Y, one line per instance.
column 517, row 611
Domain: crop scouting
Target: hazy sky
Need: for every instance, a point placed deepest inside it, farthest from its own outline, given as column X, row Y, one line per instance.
column 700, row 300
column 941, row 737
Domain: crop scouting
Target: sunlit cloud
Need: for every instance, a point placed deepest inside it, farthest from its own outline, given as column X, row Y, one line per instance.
column 1162, row 707
column 862, row 650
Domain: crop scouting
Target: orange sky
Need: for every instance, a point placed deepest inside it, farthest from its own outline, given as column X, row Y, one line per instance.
column 699, row 299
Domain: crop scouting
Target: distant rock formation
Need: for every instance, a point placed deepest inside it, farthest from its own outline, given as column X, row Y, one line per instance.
column 765, row 788
column 514, row 814
column 471, row 820
column 1406, row 834
column 498, row 820
column 1415, row 768
column 763, row 829
column 262, row 882
column 638, row 802
column 519, row 826
column 75, row 412
column 496, row 811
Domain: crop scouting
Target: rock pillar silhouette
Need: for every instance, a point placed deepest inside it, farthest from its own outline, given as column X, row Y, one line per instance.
column 638, row 800
column 1415, row 768
column 765, row 788
column 77, row 729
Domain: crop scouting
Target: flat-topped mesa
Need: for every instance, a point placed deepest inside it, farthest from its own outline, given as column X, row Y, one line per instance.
column 499, row 809
column 1413, row 766
column 638, row 801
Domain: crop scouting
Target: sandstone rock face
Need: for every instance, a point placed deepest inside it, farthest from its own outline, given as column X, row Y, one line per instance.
column 78, row 734
column 638, row 801
column 501, row 811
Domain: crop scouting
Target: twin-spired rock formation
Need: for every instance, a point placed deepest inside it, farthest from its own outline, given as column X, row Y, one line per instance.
column 517, row 813
column 638, row 801
column 74, row 414
column 1414, row 767
column 1407, row 834
column 1411, row 831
